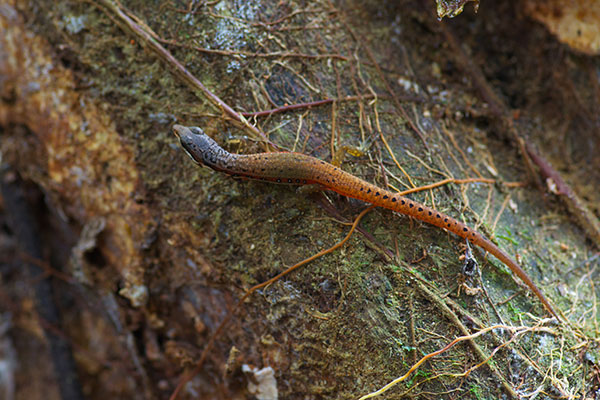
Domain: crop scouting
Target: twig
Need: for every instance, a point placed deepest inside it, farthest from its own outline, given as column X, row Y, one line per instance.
column 445, row 182
column 515, row 330
column 253, row 289
column 286, row 108
column 147, row 37
column 392, row 92
column 445, row 309
column 241, row 53
column 584, row 216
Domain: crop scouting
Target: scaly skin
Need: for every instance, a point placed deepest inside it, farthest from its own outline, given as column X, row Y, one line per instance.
column 300, row 169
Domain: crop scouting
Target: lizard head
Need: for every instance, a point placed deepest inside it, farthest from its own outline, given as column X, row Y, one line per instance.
column 198, row 145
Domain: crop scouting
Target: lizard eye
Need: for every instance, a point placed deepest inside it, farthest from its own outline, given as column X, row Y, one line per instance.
column 196, row 130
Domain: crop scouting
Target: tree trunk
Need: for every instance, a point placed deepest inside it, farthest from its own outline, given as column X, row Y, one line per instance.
column 146, row 254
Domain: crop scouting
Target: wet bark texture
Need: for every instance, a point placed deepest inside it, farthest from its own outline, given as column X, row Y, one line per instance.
column 142, row 254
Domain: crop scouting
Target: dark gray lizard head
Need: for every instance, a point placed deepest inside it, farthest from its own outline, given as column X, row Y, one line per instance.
column 199, row 146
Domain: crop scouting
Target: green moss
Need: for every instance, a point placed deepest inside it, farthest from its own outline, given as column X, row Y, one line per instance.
column 342, row 320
